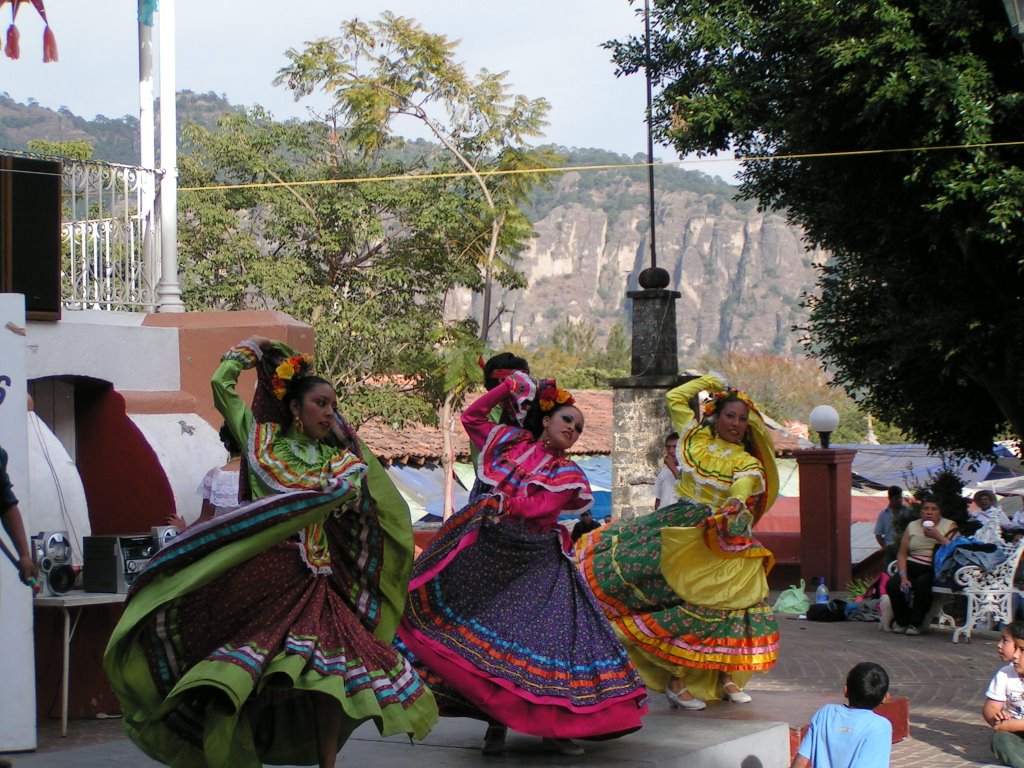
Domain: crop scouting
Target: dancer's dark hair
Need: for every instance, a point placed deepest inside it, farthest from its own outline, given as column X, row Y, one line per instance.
column 503, row 361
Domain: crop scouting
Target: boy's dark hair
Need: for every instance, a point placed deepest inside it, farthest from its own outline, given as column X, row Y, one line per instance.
column 866, row 685
column 671, row 436
column 1016, row 630
column 895, row 492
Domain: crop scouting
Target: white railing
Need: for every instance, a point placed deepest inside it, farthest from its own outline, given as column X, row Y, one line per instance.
column 110, row 237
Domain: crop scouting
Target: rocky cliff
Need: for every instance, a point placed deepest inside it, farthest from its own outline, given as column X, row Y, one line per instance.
column 741, row 273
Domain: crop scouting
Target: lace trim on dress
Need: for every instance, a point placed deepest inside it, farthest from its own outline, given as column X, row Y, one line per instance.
column 220, row 488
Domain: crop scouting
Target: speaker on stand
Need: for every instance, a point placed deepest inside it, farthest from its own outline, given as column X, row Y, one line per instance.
column 52, row 553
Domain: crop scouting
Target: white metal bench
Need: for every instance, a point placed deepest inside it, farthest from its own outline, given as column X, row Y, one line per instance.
column 988, row 594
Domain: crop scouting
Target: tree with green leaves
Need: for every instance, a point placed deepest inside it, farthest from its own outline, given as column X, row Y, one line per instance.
column 392, row 68
column 368, row 264
column 889, row 131
column 379, row 71
column 77, row 149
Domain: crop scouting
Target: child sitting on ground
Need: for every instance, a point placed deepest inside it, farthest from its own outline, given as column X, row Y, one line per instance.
column 1004, row 699
column 850, row 735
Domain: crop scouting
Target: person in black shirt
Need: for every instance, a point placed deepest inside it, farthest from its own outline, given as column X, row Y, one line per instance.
column 586, row 524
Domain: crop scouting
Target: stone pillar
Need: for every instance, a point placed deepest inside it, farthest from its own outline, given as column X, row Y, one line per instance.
column 825, row 484
column 640, row 417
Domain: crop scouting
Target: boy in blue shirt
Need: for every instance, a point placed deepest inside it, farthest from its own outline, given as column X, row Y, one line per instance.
column 851, row 735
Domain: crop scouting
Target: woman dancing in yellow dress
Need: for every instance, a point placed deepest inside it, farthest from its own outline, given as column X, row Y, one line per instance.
column 685, row 586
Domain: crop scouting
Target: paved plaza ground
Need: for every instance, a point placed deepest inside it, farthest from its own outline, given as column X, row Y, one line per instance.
column 944, row 682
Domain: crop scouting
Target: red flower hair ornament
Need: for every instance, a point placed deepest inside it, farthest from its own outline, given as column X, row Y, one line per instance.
column 552, row 396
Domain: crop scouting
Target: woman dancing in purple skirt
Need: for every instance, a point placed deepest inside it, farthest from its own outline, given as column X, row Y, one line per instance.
column 497, row 611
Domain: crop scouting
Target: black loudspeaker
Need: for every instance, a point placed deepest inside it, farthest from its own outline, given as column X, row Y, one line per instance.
column 52, row 553
column 30, row 241
column 112, row 563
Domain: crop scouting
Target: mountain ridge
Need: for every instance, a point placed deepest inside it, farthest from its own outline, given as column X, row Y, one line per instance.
column 741, row 273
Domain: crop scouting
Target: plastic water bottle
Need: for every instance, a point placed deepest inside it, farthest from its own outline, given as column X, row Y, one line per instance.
column 821, row 594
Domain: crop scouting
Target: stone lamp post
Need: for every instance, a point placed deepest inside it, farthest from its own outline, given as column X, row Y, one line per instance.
column 639, row 410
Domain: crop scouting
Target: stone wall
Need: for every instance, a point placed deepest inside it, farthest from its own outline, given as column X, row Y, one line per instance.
column 640, row 422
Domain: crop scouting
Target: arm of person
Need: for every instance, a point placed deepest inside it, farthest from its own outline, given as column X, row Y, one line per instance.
column 901, row 560
column 1010, row 724
column 679, row 399
column 224, row 383
column 939, row 538
column 806, row 749
column 15, row 527
column 748, row 481
column 539, row 503
column 475, row 416
column 880, row 530
column 994, row 712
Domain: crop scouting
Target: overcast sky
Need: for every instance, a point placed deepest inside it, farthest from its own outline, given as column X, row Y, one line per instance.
column 550, row 49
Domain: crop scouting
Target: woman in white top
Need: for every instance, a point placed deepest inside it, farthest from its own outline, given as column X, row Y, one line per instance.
column 219, row 489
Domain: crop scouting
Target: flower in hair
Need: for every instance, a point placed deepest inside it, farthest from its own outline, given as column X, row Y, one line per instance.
column 296, row 365
column 715, row 401
column 552, row 395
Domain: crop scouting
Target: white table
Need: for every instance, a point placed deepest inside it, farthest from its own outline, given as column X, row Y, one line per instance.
column 75, row 600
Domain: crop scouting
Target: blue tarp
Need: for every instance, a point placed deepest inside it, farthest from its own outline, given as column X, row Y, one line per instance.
column 908, row 466
column 423, row 488
column 598, row 470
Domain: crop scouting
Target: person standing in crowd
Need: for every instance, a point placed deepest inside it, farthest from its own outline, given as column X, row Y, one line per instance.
column 264, row 635
column 586, row 524
column 889, row 523
column 497, row 612
column 668, row 476
column 686, row 585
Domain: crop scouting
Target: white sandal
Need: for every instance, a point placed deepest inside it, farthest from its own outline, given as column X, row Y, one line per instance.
column 676, row 700
column 739, row 696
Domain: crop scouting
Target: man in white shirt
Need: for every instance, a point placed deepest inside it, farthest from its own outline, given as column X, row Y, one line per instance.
column 988, row 510
column 665, row 482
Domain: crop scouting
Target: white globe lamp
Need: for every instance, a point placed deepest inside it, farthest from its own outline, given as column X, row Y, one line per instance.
column 824, row 419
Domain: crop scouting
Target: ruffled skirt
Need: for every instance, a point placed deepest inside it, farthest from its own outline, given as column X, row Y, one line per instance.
column 685, row 590
column 229, row 631
column 500, row 618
